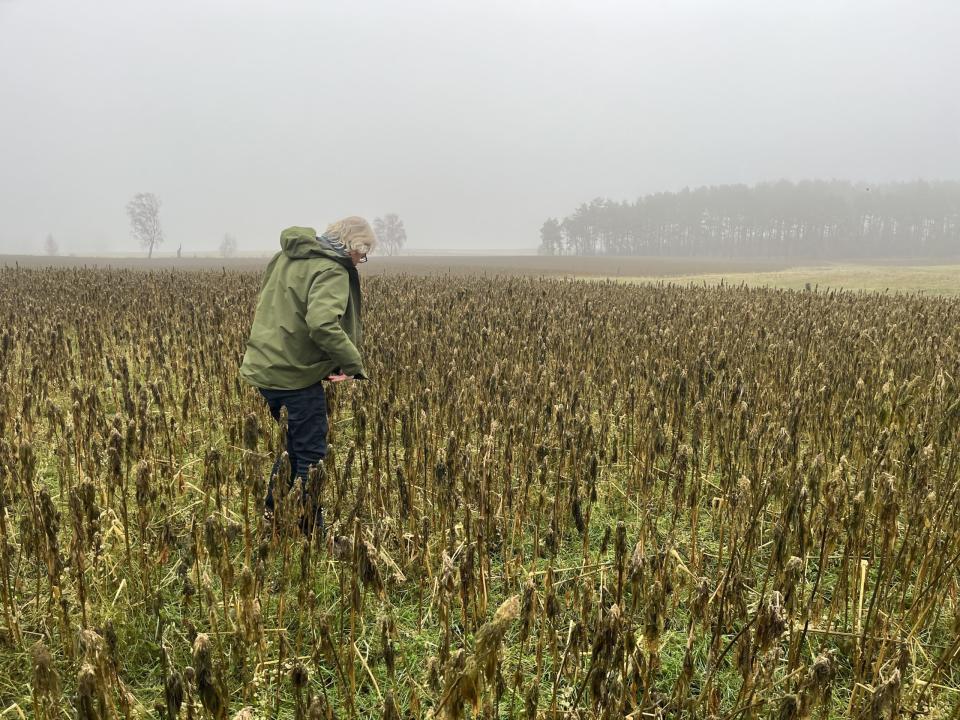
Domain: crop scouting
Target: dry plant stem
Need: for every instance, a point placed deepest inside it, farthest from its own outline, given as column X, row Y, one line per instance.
column 797, row 647
column 948, row 656
column 9, row 613
column 354, row 593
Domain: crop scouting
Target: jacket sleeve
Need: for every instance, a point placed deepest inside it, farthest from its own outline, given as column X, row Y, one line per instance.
column 326, row 303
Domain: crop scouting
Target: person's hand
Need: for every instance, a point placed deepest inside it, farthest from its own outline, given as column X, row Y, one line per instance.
column 340, row 377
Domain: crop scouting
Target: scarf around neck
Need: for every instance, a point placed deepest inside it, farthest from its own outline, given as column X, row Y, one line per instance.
column 335, row 246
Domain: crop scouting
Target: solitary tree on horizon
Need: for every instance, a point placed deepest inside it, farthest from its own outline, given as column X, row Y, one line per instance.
column 228, row 246
column 144, row 212
column 50, row 245
column 390, row 233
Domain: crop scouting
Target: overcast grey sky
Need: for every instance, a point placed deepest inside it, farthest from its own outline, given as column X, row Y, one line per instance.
column 472, row 120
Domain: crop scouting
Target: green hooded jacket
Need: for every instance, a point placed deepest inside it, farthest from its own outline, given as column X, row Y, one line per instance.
column 307, row 322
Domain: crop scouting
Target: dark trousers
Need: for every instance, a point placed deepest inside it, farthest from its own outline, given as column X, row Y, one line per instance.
column 306, row 438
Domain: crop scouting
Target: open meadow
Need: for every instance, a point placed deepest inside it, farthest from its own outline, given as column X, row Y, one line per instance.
column 942, row 279
column 554, row 498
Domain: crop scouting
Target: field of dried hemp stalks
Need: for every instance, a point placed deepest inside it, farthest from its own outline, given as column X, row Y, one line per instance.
column 554, row 499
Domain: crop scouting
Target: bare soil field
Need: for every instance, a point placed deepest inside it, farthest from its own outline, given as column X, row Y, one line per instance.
column 536, row 265
column 931, row 277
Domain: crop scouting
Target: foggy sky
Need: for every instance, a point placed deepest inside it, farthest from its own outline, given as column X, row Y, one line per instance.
column 473, row 120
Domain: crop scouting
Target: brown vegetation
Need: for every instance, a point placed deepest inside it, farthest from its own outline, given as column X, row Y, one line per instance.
column 698, row 503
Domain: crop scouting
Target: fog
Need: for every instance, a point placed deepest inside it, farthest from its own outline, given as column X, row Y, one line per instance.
column 473, row 121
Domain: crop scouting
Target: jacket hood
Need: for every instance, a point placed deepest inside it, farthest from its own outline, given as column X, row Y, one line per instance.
column 302, row 242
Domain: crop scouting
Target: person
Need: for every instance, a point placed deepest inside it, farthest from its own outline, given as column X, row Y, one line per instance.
column 307, row 329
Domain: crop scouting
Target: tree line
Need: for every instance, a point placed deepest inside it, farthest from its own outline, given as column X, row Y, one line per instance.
column 810, row 219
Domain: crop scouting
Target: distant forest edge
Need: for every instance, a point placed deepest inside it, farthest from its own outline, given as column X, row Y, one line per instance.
column 810, row 219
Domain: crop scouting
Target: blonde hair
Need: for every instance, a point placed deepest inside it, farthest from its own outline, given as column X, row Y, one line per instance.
column 354, row 233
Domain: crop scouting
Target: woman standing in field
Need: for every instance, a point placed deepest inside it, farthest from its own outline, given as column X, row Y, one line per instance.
column 306, row 329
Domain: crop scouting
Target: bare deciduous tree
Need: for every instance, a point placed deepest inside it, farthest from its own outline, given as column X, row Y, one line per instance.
column 50, row 246
column 391, row 234
column 144, row 213
column 228, row 246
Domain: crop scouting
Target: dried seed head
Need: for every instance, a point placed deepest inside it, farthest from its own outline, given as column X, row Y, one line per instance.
column 620, row 545
column 744, row 660
column 111, row 640
column 637, row 564
column 490, row 635
column 889, row 506
column 369, row 569
column 251, row 431
column 460, row 680
column 605, row 541
column 789, row 708
column 386, row 644
column 144, row 489
column 771, row 622
column 885, row 703
column 577, row 512
column 655, row 615
column 413, row 698
column 820, row 677
column 700, row 600
column 46, row 682
column 209, row 685
column 299, row 676
column 91, row 698
column 92, row 645
column 433, row 675
column 318, row 709
column 115, row 454
column 929, row 509
column 792, row 572
column 390, row 711
column 341, row 548
column 447, row 573
column 528, row 608
column 173, row 693
column 466, row 569
column 212, row 536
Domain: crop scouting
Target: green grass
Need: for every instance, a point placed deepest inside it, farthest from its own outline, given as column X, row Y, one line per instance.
column 136, row 623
